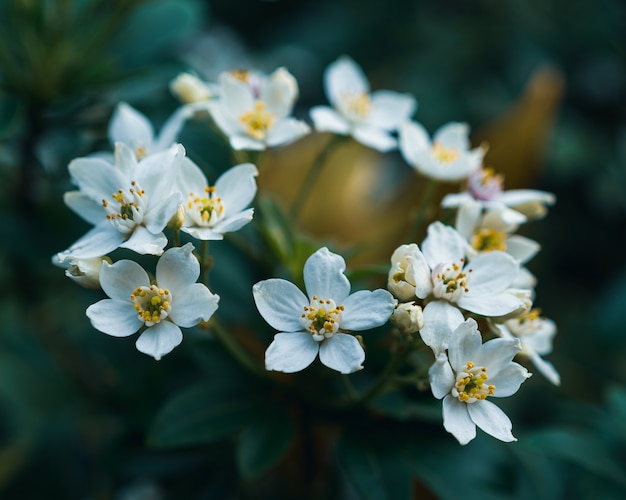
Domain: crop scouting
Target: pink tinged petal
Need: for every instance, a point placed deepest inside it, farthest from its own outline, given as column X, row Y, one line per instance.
column 497, row 354
column 160, row 213
column 441, row 377
column 468, row 218
column 97, row 178
column 236, row 96
column 522, row 249
column 456, row 420
column 286, row 131
column 492, row 420
column 492, row 305
column 491, row 273
column 130, row 126
column 119, row 280
column 156, row 174
column 414, row 141
column 114, row 317
column 160, row 339
column 291, row 352
column 237, row 187
column 323, row 276
column 144, row 242
column 233, row 223
column 453, row 135
column 190, row 179
column 464, row 345
column 546, row 368
column 326, row 119
column 98, row 241
column 390, row 109
column 343, row 353
column 441, row 319
column 366, row 309
column 203, row 233
column 280, row 303
column 177, row 268
column 193, row 304
column 508, row 380
column 240, row 142
column 125, row 159
column 374, row 137
column 85, row 206
column 343, row 77
column 443, row 245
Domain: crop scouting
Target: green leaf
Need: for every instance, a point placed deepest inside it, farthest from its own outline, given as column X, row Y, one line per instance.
column 202, row 414
column 401, row 407
column 264, row 442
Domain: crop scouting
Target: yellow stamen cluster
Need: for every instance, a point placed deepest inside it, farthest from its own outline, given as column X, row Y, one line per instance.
column 358, row 105
column 258, row 121
column 321, row 317
column 489, row 176
column 128, row 204
column 443, row 153
column 470, row 385
column 140, row 152
column 241, row 74
column 208, row 208
column 487, row 240
column 530, row 316
column 151, row 303
column 454, row 282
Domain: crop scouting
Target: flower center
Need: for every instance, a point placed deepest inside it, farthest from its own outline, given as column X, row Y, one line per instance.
column 125, row 209
column 450, row 281
column 444, row 154
column 487, row 240
column 321, row 317
column 258, row 121
column 356, row 106
column 527, row 323
column 206, row 210
column 140, row 152
column 151, row 303
column 470, row 384
column 485, row 184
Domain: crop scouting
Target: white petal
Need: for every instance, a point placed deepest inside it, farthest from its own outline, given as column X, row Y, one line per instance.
column 491, row 306
column 443, row 245
column 456, row 199
column 326, row 119
column 125, row 159
column 343, row 77
column 522, row 249
column 365, row 309
column 546, row 368
column 160, row 339
column 159, row 214
column 114, row 317
column 286, row 131
column 193, row 304
column 98, row 241
column 96, row 178
column 85, row 206
column 508, row 380
column 441, row 319
column 242, row 142
column 374, row 137
column 468, row 218
column 280, row 303
column 233, row 223
column 491, row 273
column 236, row 96
column 131, row 127
column 119, row 280
column 227, row 123
column 156, row 173
column 464, row 344
column 171, row 128
column 291, row 352
column 202, row 233
column 177, row 268
column 514, row 197
column 414, row 141
column 190, row 179
column 456, row 420
column 280, row 92
column 441, row 376
column 323, row 276
column 144, row 242
column 237, row 187
column 497, row 354
column 343, row 353
column 492, row 420
column 453, row 135
column 390, row 109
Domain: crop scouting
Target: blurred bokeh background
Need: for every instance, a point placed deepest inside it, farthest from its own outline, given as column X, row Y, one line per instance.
column 544, row 83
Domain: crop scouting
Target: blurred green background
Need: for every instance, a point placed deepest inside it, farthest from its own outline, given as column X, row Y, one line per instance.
column 543, row 82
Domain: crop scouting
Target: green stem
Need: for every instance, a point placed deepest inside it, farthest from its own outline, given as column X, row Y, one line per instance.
column 311, row 177
column 236, row 350
column 424, row 208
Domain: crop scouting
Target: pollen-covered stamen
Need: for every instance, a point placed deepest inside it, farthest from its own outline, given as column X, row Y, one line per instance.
column 485, row 184
column 321, row 317
column 206, row 209
column 140, row 152
column 443, row 153
column 151, row 303
column 356, row 106
column 125, row 210
column 258, row 121
column 450, row 281
column 487, row 240
column 527, row 323
column 471, row 384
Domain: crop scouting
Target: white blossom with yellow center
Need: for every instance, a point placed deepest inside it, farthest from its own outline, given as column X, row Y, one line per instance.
column 158, row 309
column 369, row 117
column 320, row 323
column 471, row 373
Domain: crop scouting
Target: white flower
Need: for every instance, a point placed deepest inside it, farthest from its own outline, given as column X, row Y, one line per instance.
column 469, row 374
column 515, row 205
column 408, row 317
column 254, row 110
column 189, row 89
column 535, row 334
column 211, row 211
column 130, row 203
column 447, row 158
column 159, row 308
column 85, row 272
column 321, row 321
column 369, row 117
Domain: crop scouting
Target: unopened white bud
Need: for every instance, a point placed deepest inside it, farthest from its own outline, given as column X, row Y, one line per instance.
column 408, row 317
column 85, row 272
column 189, row 89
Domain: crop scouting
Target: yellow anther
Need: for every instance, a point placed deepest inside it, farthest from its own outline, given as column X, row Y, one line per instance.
column 443, row 153
column 487, row 240
column 258, row 121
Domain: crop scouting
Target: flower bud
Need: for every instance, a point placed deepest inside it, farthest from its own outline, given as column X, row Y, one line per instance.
column 408, row 317
column 189, row 89
column 287, row 82
column 178, row 219
column 403, row 276
column 85, row 272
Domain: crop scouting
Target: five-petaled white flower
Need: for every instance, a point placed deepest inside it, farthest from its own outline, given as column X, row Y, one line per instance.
column 368, row 117
column 321, row 321
column 447, row 158
column 211, row 211
column 156, row 308
column 470, row 373
column 254, row 110
column 130, row 202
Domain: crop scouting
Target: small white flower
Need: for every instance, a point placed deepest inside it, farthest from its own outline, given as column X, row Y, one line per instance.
column 408, row 317
column 85, row 272
column 156, row 308
column 369, row 117
column 320, row 322
column 447, row 158
column 129, row 203
column 254, row 110
column 535, row 334
column 189, row 89
column 470, row 373
column 211, row 211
